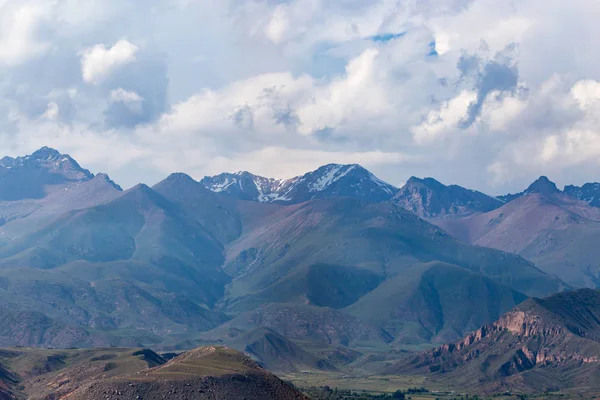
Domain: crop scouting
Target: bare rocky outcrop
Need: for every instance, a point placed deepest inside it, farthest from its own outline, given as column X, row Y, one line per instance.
column 548, row 339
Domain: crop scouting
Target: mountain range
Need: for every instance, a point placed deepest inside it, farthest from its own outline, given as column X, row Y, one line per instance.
column 267, row 266
column 331, row 180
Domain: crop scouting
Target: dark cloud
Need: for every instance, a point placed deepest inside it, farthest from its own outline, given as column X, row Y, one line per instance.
column 286, row 117
column 468, row 64
column 243, row 118
column 500, row 74
column 328, row 136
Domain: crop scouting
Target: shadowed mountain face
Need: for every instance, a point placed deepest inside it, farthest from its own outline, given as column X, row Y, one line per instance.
column 141, row 226
column 542, row 344
column 429, row 198
column 217, row 214
column 31, row 176
column 590, row 193
column 271, row 261
column 328, row 181
column 435, row 302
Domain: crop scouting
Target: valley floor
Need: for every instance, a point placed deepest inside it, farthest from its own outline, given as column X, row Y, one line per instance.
column 347, row 387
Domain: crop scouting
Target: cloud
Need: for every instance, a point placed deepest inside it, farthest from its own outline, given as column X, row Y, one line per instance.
column 52, row 112
column 495, row 76
column 98, row 62
column 123, row 96
column 450, row 115
column 20, row 36
column 482, row 93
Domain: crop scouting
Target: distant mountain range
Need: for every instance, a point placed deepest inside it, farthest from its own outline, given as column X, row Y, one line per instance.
column 554, row 229
column 326, row 182
column 267, row 266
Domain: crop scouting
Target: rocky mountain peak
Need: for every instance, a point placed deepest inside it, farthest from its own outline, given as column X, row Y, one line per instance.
column 542, row 185
column 46, row 153
column 180, row 177
column 331, row 180
column 430, row 183
column 430, row 198
column 105, row 178
column 50, row 160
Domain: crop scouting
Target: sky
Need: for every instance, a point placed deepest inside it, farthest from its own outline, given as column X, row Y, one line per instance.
column 487, row 94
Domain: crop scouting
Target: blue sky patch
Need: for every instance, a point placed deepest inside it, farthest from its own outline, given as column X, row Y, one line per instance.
column 386, row 37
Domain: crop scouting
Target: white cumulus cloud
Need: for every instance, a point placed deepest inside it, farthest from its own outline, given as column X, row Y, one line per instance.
column 99, row 61
column 482, row 93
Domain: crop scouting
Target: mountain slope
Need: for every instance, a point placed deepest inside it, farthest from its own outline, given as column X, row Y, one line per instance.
column 542, row 344
column 556, row 232
column 8, row 381
column 302, row 321
column 209, row 372
column 217, row 214
column 430, row 198
column 435, row 302
column 382, row 239
column 590, row 193
column 137, row 262
column 277, row 353
column 197, row 374
column 31, row 176
column 331, row 180
column 51, row 308
column 87, row 264
column 140, row 224
column 36, row 189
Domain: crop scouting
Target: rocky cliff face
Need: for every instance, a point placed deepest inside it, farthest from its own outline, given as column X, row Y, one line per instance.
column 547, row 339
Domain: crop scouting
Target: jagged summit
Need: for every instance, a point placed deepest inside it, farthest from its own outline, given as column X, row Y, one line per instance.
column 105, row 178
column 430, row 198
column 542, row 185
column 51, row 160
column 330, row 180
column 589, row 192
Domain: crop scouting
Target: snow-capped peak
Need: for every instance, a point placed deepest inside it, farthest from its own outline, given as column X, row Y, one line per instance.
column 332, row 180
column 332, row 174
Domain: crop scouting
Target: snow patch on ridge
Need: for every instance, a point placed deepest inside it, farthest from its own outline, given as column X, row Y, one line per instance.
column 221, row 186
column 334, row 174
